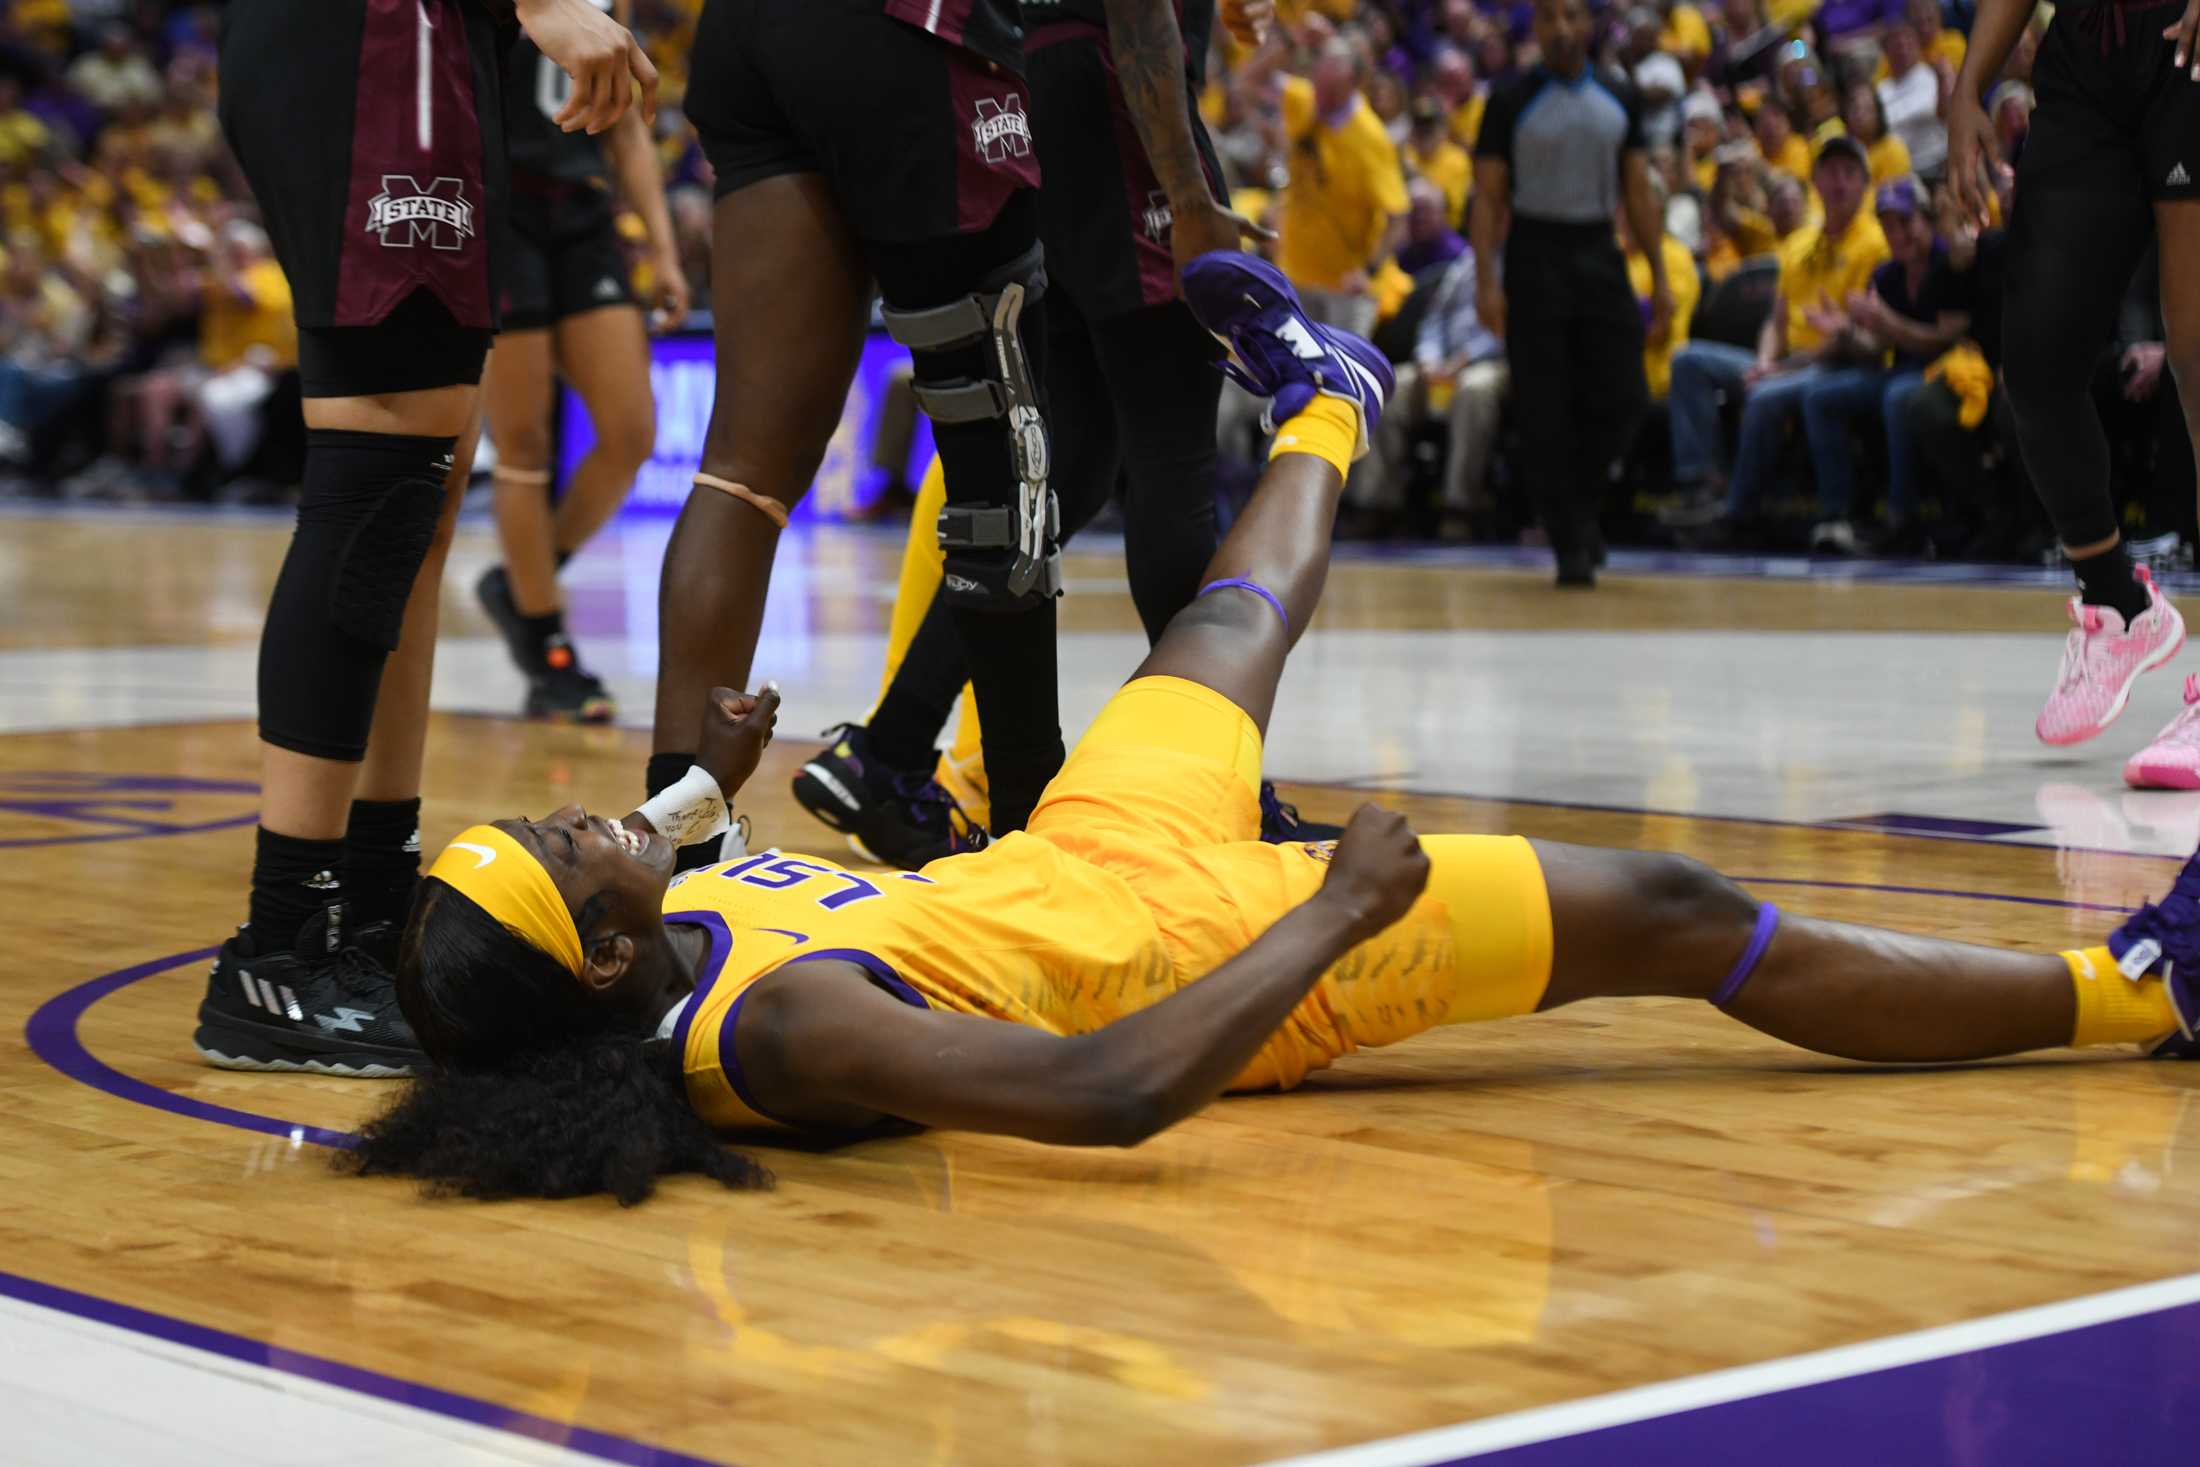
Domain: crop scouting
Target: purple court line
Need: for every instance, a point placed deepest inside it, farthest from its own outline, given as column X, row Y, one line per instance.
column 149, row 833
column 1836, row 826
column 51, row 1034
column 1931, row 891
column 248, row 1351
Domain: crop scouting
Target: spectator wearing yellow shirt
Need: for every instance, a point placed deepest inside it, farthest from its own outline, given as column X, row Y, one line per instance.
column 1886, row 155
column 1778, row 143
column 22, row 136
column 1686, row 37
column 1703, row 131
column 1346, row 201
column 1936, row 43
column 246, row 336
column 1658, row 349
column 1819, row 270
column 1452, row 80
column 1430, row 153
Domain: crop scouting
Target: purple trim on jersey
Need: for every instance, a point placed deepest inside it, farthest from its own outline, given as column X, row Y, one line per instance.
column 417, row 213
column 729, row 1058
column 880, row 970
column 1257, row 589
column 706, row 974
column 1760, row 938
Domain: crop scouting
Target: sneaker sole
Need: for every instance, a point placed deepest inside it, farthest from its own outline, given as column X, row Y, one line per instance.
column 366, row 1070
column 231, row 1046
column 2161, row 776
column 820, row 792
column 2123, row 696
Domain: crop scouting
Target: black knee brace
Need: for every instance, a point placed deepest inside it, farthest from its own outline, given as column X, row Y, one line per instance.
column 365, row 522
column 1001, row 529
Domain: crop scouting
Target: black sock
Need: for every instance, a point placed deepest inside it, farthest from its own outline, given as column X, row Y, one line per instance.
column 2106, row 579
column 541, row 629
column 381, row 861
column 292, row 879
column 665, row 771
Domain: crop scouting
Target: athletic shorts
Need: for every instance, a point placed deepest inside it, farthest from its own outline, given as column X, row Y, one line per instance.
column 2115, row 116
column 917, row 139
column 563, row 255
column 377, row 182
column 1164, row 792
column 1102, row 216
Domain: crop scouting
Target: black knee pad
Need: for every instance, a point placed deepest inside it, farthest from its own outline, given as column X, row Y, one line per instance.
column 1002, row 527
column 365, row 522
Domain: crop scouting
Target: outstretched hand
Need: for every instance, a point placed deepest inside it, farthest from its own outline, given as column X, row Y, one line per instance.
column 1377, row 873
column 607, row 65
column 736, row 729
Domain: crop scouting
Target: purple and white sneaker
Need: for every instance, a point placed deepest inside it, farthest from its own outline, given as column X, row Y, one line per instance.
column 1275, row 351
column 2164, row 939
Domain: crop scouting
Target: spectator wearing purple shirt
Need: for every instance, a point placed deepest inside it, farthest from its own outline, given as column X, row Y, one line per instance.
column 1430, row 239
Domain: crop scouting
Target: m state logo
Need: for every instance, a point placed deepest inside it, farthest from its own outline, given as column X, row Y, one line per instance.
column 1159, row 216
column 405, row 214
column 1001, row 130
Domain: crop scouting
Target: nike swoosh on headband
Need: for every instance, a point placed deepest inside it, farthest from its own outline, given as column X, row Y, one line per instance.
column 486, row 853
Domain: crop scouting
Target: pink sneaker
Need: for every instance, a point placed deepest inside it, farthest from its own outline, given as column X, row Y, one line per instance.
column 2172, row 761
column 2102, row 660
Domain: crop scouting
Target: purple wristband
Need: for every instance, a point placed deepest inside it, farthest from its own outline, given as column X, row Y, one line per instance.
column 1257, row 589
column 1768, row 919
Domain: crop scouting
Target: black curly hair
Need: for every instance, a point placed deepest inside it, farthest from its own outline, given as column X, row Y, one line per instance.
column 533, row 1092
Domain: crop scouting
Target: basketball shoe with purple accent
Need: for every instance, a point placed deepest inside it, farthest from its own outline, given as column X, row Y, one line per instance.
column 1276, row 352
column 2102, row 659
column 2164, row 939
column 2172, row 761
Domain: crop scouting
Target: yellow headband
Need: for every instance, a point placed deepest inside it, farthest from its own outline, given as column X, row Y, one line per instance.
column 504, row 879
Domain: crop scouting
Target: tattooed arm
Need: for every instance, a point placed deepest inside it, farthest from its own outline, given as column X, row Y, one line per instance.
column 1149, row 62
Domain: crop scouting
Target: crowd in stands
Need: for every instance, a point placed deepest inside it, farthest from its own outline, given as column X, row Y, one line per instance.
column 1828, row 380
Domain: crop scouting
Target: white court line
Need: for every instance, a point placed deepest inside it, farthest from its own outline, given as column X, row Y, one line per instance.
column 1717, row 1387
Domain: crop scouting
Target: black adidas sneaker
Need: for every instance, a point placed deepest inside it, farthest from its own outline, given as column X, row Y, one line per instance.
column 891, row 818
column 333, row 1013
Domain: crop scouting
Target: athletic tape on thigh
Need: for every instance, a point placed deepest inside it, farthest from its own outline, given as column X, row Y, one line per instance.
column 1768, row 919
column 771, row 508
column 1258, row 590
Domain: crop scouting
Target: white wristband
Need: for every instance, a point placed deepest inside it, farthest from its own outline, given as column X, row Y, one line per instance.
column 692, row 810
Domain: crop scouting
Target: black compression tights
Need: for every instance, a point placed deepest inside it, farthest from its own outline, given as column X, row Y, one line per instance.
column 2071, row 259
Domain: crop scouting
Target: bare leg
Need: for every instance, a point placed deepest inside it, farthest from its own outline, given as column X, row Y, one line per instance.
column 605, row 355
column 1641, row 924
column 1232, row 640
column 790, row 294
column 515, row 402
column 2177, row 222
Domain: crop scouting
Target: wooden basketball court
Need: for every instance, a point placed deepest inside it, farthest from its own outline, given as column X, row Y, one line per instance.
column 1484, row 1221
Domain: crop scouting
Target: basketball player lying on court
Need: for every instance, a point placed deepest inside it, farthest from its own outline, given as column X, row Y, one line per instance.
column 1137, row 951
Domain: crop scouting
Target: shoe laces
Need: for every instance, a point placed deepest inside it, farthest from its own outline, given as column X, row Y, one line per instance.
column 359, row 979
column 2185, row 727
column 931, row 807
column 2078, row 646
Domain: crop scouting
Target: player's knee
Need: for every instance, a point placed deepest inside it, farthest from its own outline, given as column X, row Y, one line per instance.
column 525, row 450
column 628, row 439
column 368, row 519
column 1684, row 897
column 1001, row 528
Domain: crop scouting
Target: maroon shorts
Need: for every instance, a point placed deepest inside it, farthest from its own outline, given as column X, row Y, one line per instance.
column 1102, row 216
column 918, row 139
column 372, row 134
